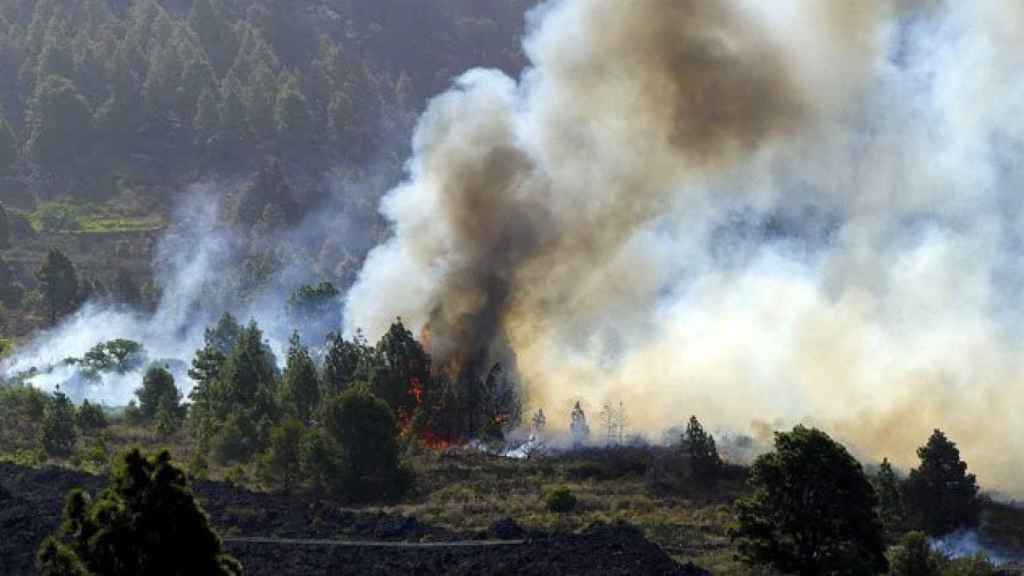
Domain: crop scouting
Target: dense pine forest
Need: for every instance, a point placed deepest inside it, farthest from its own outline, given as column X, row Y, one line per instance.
column 96, row 91
column 112, row 110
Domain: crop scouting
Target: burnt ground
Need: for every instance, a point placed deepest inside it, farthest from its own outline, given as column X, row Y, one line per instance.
column 31, row 501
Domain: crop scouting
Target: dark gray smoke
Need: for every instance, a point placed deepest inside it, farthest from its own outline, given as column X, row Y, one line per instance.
column 578, row 217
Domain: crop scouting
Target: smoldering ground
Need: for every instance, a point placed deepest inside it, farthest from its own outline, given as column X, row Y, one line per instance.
column 630, row 219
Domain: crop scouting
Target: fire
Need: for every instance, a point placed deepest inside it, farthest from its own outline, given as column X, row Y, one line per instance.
column 427, row 437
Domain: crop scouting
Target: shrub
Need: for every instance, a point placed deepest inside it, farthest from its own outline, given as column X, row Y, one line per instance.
column 132, row 415
column 914, row 557
column 168, row 417
column 98, row 455
column 237, row 440
column 91, row 417
column 236, row 476
column 561, row 500
column 977, row 565
column 198, row 467
column 145, row 522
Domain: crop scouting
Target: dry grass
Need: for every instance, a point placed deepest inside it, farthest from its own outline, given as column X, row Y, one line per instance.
column 470, row 492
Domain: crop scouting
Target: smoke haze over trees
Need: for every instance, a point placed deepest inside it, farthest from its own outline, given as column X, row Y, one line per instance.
column 791, row 207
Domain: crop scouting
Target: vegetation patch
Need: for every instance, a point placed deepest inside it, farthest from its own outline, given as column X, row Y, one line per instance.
column 64, row 216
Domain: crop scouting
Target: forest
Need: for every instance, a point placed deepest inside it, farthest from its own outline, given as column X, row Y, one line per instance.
column 112, row 110
column 506, row 287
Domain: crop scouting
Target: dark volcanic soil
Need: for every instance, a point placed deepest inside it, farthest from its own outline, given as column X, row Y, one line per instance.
column 31, row 500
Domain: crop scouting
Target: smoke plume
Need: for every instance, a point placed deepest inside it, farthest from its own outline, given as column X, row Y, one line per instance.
column 761, row 213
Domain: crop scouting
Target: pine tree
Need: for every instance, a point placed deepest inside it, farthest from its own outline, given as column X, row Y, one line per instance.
column 343, row 362
column 161, row 84
column 404, row 369
column 208, row 22
column 59, row 124
column 249, row 377
column 8, row 153
column 5, row 242
column 281, row 464
column 207, row 121
column 233, row 116
column 126, row 290
column 292, row 120
column 260, row 98
column 890, row 501
column 301, row 386
column 60, row 286
column 145, row 522
column 207, row 395
column 705, row 464
column 158, row 392
column 941, row 496
column 58, row 432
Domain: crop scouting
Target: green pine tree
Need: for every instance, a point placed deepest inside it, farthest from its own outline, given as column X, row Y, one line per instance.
column 301, row 385
column 8, row 152
column 58, row 432
column 941, row 496
column 60, row 286
column 145, row 522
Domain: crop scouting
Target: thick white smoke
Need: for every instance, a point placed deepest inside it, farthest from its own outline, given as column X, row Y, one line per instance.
column 761, row 213
column 197, row 268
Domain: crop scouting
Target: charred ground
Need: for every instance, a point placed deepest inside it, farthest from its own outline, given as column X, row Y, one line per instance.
column 31, row 504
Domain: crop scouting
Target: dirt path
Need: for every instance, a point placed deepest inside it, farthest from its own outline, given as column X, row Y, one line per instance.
column 375, row 544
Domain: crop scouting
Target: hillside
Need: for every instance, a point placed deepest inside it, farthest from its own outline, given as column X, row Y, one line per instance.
column 114, row 110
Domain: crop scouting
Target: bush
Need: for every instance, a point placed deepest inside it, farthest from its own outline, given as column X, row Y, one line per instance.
column 198, row 467
column 132, row 415
column 236, row 476
column 145, row 522
column 21, row 414
column 561, row 500
column 237, row 440
column 91, row 417
column 977, row 565
column 168, row 417
column 914, row 557
column 98, row 454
